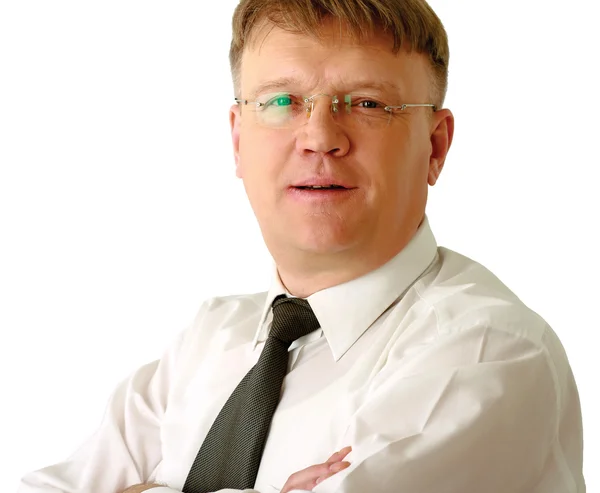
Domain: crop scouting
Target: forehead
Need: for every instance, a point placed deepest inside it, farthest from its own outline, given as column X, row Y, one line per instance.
column 335, row 60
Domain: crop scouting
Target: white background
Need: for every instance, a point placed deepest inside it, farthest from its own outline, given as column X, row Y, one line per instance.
column 120, row 211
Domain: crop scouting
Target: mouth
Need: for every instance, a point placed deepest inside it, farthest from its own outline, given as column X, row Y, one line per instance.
column 320, row 187
column 320, row 194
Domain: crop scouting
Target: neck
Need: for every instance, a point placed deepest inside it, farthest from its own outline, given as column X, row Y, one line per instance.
column 304, row 274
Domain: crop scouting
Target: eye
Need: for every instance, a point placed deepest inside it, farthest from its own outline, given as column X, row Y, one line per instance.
column 280, row 100
column 370, row 104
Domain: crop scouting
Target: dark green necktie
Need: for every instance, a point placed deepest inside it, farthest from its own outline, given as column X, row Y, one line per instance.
column 232, row 450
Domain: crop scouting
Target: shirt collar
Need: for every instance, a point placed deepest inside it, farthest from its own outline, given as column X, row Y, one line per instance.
column 347, row 310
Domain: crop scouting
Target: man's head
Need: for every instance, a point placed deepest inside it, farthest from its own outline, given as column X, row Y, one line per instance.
column 408, row 23
column 330, row 78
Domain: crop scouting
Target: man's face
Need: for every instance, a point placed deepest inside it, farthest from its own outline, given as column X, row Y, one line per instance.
column 385, row 169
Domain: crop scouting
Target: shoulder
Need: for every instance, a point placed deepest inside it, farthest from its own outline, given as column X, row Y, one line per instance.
column 222, row 323
column 234, row 306
column 242, row 311
column 465, row 294
column 459, row 317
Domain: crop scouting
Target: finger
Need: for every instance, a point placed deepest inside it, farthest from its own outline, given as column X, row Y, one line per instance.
column 307, row 478
column 339, row 455
column 338, row 466
column 309, row 475
column 333, row 469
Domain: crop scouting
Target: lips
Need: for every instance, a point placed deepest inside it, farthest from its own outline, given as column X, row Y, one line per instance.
column 320, row 197
column 318, row 187
column 326, row 182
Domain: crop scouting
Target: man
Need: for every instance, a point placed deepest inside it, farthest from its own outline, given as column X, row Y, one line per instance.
column 377, row 361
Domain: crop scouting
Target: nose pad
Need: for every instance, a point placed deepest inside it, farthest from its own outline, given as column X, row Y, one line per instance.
column 334, row 104
column 348, row 103
column 310, row 104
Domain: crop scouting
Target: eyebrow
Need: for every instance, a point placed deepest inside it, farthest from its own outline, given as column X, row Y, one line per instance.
column 290, row 82
column 377, row 86
column 274, row 85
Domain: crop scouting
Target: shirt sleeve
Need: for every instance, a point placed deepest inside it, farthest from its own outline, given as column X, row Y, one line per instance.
column 476, row 411
column 126, row 448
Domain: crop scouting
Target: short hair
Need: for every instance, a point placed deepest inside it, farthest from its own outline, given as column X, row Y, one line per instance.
column 411, row 23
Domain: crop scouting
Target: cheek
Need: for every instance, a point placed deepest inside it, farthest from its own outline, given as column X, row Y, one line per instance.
column 399, row 165
column 262, row 160
column 250, row 155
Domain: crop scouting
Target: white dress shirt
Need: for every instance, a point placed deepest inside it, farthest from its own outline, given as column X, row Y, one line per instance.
column 436, row 374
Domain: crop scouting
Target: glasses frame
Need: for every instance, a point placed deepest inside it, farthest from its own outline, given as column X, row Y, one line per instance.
column 335, row 101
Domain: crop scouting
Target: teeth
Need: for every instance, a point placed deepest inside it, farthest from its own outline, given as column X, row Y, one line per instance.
column 317, row 187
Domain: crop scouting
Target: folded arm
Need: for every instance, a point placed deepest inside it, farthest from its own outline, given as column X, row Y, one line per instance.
column 126, row 448
column 478, row 410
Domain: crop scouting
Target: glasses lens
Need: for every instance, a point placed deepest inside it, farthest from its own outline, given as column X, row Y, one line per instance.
column 285, row 110
column 280, row 109
column 364, row 111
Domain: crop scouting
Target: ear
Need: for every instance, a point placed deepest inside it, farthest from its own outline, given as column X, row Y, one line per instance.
column 442, row 132
column 235, row 121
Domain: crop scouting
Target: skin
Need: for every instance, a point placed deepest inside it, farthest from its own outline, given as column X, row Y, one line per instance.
column 138, row 488
column 310, row 477
column 317, row 245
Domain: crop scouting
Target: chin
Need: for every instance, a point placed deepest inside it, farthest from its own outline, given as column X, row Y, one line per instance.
column 312, row 234
column 323, row 243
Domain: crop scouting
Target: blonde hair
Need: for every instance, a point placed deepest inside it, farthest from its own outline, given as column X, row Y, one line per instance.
column 411, row 23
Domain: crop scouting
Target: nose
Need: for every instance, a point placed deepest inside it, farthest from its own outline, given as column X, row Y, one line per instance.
column 321, row 134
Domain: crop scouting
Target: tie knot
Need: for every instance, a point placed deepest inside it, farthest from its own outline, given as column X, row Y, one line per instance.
column 292, row 319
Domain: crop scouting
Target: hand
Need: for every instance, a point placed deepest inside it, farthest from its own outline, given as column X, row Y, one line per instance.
column 138, row 488
column 310, row 477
